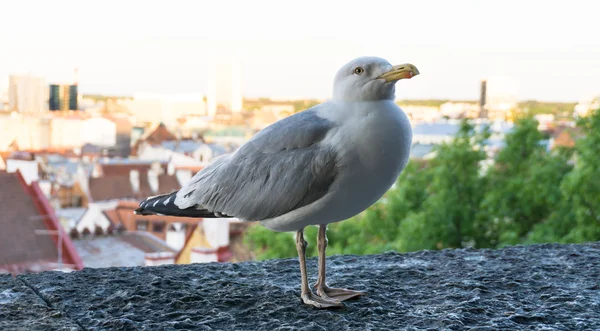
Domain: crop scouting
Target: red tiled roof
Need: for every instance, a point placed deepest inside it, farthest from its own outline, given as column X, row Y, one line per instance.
column 566, row 136
column 112, row 216
column 168, row 184
column 128, row 204
column 63, row 151
column 21, row 155
column 145, row 190
column 119, row 187
column 159, row 134
column 25, row 209
column 154, row 136
column 192, row 168
column 125, row 168
column 111, row 188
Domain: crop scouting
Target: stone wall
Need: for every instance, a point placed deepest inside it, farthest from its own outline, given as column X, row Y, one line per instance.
column 538, row 287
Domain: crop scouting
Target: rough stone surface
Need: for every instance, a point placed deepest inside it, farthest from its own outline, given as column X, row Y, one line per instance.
column 22, row 309
column 539, row 287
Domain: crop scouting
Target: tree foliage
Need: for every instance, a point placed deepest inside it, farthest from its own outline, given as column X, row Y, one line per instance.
column 447, row 216
column 523, row 186
column 577, row 216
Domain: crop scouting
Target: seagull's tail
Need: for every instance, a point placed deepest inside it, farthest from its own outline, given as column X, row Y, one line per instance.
column 165, row 205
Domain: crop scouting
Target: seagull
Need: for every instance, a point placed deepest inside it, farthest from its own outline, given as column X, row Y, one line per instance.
column 322, row 165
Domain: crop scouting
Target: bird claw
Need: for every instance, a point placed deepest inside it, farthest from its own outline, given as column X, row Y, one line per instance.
column 339, row 294
column 319, row 302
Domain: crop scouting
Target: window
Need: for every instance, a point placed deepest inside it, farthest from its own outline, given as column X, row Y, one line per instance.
column 141, row 225
column 76, row 201
column 158, row 227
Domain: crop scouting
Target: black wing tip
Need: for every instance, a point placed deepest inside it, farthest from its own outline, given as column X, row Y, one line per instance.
column 164, row 205
column 142, row 211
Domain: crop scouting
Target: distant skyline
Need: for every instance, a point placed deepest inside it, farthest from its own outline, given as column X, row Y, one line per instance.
column 551, row 48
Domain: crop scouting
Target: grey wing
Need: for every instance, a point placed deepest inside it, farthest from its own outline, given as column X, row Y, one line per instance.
column 283, row 167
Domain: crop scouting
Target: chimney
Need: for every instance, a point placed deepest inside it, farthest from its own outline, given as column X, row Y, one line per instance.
column 183, row 176
column 153, row 180
column 134, row 177
column 482, row 99
column 217, row 231
column 82, row 178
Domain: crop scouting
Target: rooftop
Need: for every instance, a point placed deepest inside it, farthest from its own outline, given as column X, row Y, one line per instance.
column 537, row 287
column 127, row 249
column 26, row 212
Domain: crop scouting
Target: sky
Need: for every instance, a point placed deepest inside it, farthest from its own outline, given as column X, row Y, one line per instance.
column 293, row 49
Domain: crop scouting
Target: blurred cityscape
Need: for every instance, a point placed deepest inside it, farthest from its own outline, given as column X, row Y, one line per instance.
column 74, row 166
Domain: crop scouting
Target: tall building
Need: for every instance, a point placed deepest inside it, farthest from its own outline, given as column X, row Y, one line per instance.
column 499, row 97
column 4, row 94
column 482, row 99
column 224, row 85
column 27, row 94
column 63, row 97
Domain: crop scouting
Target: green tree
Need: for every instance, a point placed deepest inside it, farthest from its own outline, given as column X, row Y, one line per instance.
column 523, row 186
column 267, row 244
column 447, row 216
column 577, row 218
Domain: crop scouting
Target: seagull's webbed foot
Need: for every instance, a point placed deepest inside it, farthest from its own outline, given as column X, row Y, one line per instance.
column 338, row 294
column 310, row 298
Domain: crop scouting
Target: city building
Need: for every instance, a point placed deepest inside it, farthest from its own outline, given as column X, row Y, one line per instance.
column 63, row 97
column 586, row 105
column 124, row 128
column 153, row 108
column 224, row 86
column 60, row 131
column 498, row 97
column 27, row 94
column 422, row 113
column 4, row 94
column 545, row 121
column 455, row 110
column 428, row 134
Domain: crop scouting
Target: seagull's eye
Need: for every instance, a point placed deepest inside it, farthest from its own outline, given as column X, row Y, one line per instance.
column 359, row 70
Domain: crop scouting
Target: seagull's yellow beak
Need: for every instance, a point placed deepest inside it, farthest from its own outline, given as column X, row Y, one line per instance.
column 400, row 71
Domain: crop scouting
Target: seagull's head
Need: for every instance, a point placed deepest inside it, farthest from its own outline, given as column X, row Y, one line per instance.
column 370, row 79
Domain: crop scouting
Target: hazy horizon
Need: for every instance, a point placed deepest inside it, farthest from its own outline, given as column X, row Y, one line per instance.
column 123, row 48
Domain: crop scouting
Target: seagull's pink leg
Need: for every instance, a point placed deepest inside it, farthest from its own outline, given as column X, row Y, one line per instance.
column 323, row 290
column 307, row 295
